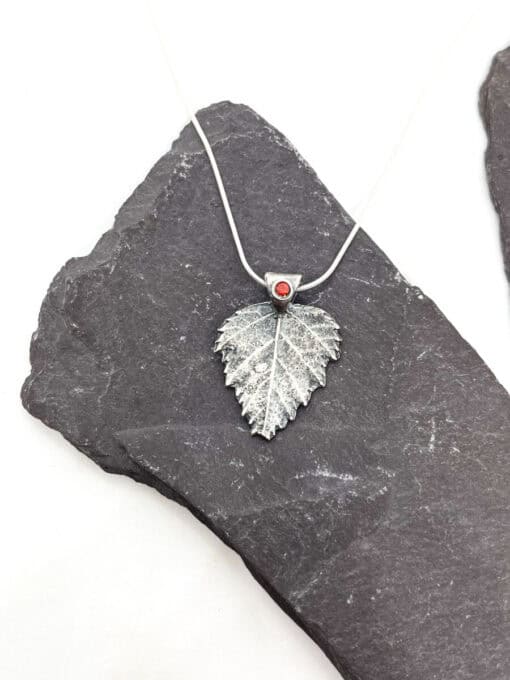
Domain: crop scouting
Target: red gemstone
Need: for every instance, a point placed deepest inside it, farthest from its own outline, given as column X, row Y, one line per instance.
column 282, row 289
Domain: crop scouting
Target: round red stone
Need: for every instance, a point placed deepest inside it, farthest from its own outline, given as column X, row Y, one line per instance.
column 282, row 289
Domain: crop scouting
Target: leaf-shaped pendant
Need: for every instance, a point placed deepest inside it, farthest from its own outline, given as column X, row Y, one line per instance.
column 275, row 355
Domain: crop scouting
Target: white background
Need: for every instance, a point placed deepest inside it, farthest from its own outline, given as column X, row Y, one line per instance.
column 102, row 578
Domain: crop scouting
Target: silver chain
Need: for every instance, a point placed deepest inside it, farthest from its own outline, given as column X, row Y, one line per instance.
column 235, row 233
column 223, row 194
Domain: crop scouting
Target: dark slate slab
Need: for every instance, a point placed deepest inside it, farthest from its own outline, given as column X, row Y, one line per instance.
column 495, row 110
column 379, row 519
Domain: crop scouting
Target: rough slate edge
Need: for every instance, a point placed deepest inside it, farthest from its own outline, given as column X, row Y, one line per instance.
column 494, row 107
column 128, row 439
column 130, row 215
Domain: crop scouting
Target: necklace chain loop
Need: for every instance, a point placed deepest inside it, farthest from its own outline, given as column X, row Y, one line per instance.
column 235, row 233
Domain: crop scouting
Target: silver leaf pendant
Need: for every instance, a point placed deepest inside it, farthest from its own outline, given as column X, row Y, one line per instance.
column 276, row 353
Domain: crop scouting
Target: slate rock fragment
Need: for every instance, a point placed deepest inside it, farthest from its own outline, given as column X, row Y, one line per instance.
column 379, row 519
column 495, row 111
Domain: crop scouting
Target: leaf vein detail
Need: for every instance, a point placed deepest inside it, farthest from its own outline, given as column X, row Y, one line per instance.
column 312, row 332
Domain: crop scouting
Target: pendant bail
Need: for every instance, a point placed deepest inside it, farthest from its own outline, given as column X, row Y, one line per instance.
column 282, row 288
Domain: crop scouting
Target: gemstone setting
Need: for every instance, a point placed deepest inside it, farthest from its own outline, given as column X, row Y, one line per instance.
column 282, row 289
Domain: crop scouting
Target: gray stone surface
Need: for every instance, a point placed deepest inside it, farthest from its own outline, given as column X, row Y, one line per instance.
column 495, row 110
column 379, row 519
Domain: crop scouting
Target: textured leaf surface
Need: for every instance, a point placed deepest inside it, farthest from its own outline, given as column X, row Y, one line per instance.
column 275, row 361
